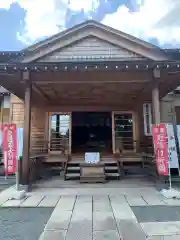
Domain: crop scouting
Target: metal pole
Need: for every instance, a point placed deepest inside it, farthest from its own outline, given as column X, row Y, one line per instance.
column 19, row 141
column 169, row 167
column 170, row 183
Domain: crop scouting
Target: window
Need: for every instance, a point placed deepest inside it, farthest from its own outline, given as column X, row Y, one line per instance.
column 123, row 132
column 6, row 102
column 59, row 134
column 147, row 119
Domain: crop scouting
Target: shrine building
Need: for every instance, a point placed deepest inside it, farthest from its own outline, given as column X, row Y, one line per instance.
column 90, row 88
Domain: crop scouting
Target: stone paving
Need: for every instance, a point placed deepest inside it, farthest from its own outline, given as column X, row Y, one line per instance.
column 133, row 215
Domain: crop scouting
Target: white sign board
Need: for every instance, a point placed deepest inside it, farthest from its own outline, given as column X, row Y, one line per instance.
column 172, row 150
column 92, row 157
column 178, row 135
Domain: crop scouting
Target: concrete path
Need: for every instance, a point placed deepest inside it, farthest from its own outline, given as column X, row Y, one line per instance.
column 87, row 217
column 97, row 215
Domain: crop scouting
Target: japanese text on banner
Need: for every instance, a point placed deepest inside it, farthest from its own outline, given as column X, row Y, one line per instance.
column 9, row 148
column 161, row 148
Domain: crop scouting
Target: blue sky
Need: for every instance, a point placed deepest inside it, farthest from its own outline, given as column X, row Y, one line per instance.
column 24, row 22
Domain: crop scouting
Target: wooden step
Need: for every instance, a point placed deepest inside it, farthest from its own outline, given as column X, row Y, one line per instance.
column 92, row 173
column 93, row 179
column 112, row 174
column 108, row 168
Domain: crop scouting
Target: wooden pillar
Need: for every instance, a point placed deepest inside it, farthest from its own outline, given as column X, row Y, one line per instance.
column 160, row 180
column 113, row 134
column 27, row 129
column 155, row 98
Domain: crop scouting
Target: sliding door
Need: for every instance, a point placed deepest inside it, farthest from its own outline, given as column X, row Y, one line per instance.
column 59, row 133
column 123, row 132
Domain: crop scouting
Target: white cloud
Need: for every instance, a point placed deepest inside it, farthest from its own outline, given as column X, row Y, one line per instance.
column 86, row 5
column 47, row 17
column 5, row 4
column 143, row 23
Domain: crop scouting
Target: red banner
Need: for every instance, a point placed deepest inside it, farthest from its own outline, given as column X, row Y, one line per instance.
column 9, row 144
column 161, row 148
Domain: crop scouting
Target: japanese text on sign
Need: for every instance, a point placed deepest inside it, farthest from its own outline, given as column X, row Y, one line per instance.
column 9, row 148
column 161, row 149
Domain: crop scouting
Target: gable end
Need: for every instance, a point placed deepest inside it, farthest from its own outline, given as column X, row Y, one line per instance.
column 91, row 49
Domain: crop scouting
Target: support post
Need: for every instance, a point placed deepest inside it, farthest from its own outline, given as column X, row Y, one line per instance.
column 160, row 180
column 156, row 105
column 155, row 98
column 26, row 133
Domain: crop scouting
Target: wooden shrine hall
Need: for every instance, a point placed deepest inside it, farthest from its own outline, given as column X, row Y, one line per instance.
column 90, row 88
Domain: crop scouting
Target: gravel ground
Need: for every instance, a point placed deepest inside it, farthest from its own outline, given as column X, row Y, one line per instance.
column 6, row 183
column 157, row 213
column 23, row 223
column 3, row 187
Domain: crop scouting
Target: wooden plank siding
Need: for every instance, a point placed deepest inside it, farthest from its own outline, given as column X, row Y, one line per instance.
column 144, row 143
column 17, row 111
column 91, row 48
column 38, row 122
column 39, row 126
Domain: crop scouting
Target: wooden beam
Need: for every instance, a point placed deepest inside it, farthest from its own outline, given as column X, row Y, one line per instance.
column 156, row 105
column 91, row 81
column 88, row 107
column 38, row 90
column 85, row 102
column 146, row 91
column 55, row 92
column 155, row 97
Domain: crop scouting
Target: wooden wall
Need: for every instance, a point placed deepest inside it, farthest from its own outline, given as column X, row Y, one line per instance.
column 39, row 125
column 17, row 111
column 38, row 122
column 177, row 117
column 167, row 113
column 91, row 48
column 144, row 143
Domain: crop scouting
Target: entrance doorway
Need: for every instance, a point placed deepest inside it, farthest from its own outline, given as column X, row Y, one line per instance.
column 123, row 132
column 59, row 132
column 91, row 132
column 80, row 132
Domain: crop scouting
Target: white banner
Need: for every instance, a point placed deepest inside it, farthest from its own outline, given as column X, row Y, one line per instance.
column 178, row 135
column 19, row 142
column 92, row 157
column 172, row 150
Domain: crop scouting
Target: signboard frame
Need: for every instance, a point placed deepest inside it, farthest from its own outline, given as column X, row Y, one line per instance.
column 92, row 157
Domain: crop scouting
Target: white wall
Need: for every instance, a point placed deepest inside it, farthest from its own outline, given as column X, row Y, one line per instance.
column 167, row 107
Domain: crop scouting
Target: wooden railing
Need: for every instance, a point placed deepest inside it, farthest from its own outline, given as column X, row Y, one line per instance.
column 40, row 152
column 135, row 146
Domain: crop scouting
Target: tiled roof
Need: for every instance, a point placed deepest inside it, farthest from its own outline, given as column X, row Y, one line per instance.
column 3, row 90
column 10, row 56
column 173, row 53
